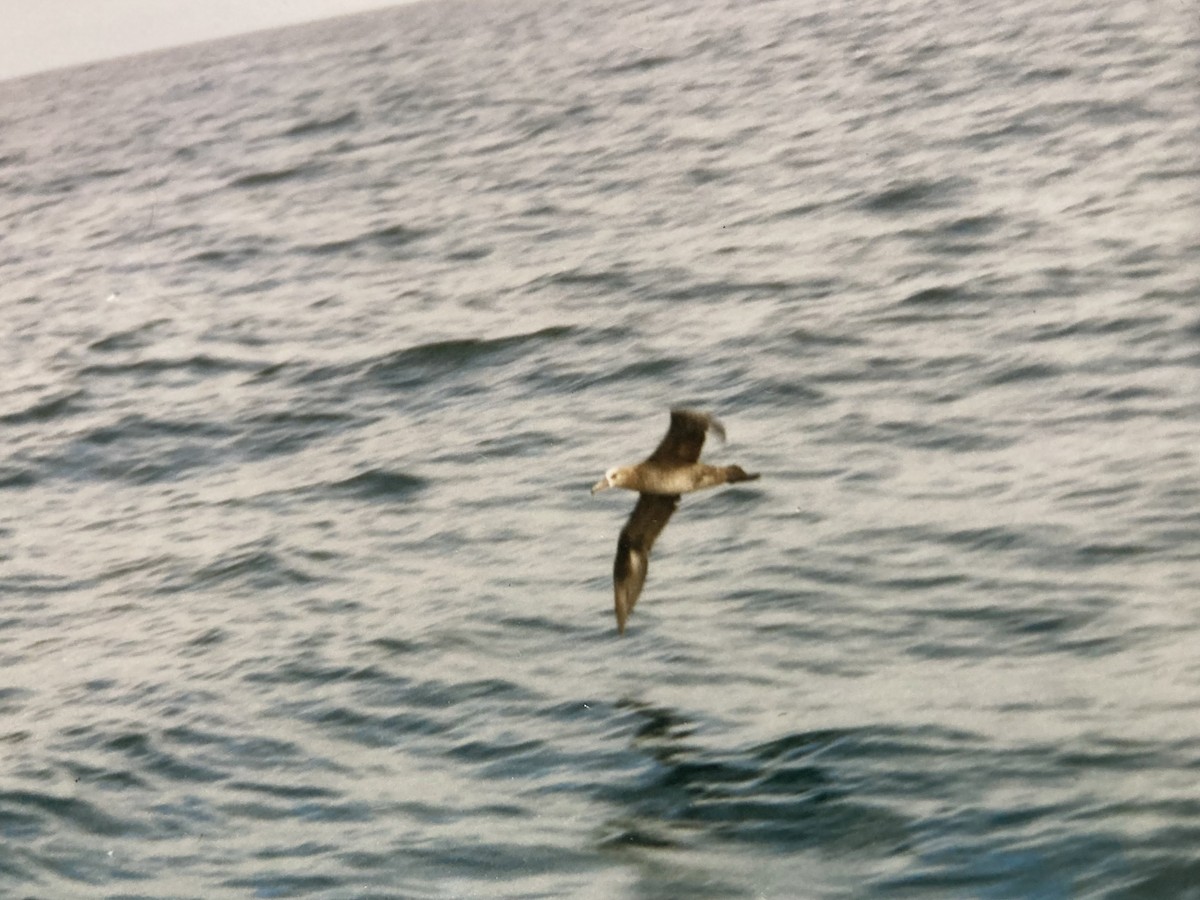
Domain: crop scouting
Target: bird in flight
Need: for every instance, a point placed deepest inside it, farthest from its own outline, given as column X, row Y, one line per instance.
column 674, row 468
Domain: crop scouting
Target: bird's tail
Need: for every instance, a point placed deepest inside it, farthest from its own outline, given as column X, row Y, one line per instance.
column 734, row 474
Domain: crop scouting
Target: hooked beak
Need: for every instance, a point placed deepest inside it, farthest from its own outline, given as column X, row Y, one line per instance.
column 601, row 485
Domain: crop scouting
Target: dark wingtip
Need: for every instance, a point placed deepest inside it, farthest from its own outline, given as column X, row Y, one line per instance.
column 711, row 422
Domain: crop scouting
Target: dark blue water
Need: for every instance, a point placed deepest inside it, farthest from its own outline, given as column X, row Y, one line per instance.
column 314, row 340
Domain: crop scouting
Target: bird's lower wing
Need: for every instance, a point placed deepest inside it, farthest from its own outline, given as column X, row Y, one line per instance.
column 646, row 522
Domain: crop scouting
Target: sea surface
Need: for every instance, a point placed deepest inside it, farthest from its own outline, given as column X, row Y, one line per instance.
column 313, row 341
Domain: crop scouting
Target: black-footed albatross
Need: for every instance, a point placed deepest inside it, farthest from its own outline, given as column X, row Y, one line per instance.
column 674, row 468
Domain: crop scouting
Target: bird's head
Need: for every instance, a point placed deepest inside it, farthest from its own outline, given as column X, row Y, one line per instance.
column 616, row 477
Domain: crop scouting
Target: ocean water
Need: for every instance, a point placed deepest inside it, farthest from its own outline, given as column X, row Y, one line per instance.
column 314, row 340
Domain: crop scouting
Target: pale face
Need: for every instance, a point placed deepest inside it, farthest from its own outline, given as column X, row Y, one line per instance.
column 615, row 477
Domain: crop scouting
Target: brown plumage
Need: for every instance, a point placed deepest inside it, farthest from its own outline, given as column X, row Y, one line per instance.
column 673, row 468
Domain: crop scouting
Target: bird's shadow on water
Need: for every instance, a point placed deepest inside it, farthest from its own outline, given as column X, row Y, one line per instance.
column 785, row 796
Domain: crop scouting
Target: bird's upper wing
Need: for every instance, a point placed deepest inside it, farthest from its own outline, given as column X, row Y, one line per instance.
column 685, row 437
column 645, row 524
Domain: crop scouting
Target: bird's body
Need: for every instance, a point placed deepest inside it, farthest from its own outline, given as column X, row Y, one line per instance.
column 674, row 468
column 656, row 478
